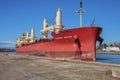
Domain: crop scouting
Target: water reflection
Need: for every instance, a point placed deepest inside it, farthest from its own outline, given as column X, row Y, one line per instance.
column 8, row 53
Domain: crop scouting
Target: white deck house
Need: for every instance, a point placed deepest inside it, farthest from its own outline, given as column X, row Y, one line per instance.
column 111, row 49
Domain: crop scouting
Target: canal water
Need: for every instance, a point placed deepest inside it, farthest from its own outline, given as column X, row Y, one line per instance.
column 104, row 58
column 108, row 58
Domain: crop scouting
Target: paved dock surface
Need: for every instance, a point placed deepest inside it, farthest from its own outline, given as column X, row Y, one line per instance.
column 14, row 67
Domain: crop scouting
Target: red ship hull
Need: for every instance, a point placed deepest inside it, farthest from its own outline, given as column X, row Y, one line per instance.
column 77, row 44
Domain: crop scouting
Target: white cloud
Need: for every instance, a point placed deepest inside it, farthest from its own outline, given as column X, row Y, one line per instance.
column 7, row 44
column 10, row 42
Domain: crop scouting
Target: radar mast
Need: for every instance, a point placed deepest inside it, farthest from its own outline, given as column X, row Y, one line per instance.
column 80, row 11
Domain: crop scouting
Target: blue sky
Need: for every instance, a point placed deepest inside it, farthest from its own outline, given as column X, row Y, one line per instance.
column 17, row 16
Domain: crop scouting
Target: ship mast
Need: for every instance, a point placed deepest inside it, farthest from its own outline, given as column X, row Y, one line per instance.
column 80, row 11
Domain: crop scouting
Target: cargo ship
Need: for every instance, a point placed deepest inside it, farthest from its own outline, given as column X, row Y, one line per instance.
column 76, row 43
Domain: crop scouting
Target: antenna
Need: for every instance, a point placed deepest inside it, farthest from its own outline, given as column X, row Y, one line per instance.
column 81, row 4
column 93, row 22
column 80, row 11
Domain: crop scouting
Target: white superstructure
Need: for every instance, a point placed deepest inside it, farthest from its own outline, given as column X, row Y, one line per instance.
column 26, row 37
